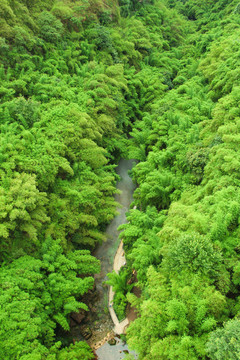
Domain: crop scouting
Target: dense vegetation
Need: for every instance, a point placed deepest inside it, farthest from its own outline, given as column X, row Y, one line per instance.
column 77, row 77
column 183, row 238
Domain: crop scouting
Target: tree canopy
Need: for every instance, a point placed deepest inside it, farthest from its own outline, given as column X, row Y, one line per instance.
column 83, row 84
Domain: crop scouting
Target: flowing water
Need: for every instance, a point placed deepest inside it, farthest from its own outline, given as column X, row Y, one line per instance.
column 105, row 253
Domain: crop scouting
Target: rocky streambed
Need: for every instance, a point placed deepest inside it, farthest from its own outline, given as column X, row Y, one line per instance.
column 95, row 326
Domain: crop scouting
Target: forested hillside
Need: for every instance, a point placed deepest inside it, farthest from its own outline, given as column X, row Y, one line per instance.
column 84, row 83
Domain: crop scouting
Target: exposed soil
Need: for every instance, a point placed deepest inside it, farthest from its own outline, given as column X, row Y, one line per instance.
column 132, row 312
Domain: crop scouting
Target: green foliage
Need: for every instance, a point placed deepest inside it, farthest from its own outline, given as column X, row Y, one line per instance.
column 121, row 287
column 79, row 351
column 140, row 239
column 38, row 293
column 119, row 305
column 22, row 211
column 193, row 253
column 119, row 281
column 77, row 78
column 223, row 343
column 187, row 172
column 222, row 62
column 175, row 315
column 50, row 28
column 128, row 7
column 25, row 112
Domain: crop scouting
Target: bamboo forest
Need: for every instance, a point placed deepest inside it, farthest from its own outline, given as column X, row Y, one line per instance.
column 85, row 84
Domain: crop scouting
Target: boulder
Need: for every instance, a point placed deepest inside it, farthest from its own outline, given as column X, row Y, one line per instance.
column 112, row 341
column 86, row 332
column 92, row 308
column 72, row 323
column 79, row 316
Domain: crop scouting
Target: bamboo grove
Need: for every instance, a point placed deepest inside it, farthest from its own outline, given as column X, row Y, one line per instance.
column 84, row 83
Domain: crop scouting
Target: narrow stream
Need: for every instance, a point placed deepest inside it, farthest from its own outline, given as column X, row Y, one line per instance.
column 105, row 253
